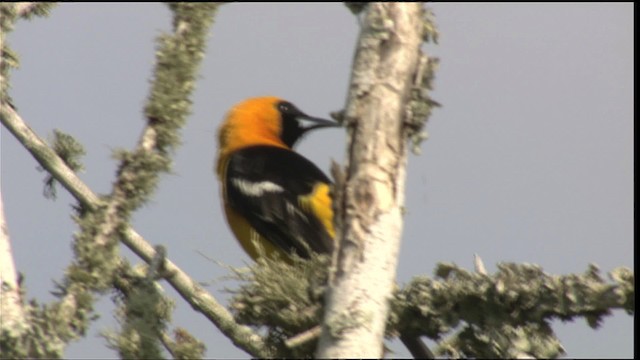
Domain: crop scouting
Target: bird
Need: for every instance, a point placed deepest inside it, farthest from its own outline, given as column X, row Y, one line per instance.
column 276, row 201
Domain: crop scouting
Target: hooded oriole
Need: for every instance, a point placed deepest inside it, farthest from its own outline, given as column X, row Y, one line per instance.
column 273, row 197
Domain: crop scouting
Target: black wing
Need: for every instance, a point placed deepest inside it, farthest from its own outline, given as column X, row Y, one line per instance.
column 264, row 185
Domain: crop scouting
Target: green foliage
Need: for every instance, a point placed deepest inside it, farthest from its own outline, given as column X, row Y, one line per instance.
column 36, row 9
column 503, row 341
column 421, row 104
column 9, row 13
column 70, row 151
column 186, row 346
column 94, row 264
column 178, row 56
column 144, row 312
column 10, row 60
column 508, row 311
column 430, row 31
column 138, row 177
column 177, row 60
column 48, row 328
column 503, row 315
column 356, row 7
column 285, row 298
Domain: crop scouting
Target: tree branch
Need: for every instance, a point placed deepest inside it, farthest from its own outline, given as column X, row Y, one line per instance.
column 166, row 110
column 506, row 313
column 177, row 60
column 194, row 294
column 47, row 158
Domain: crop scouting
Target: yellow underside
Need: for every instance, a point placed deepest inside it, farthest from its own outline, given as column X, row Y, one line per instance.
column 253, row 243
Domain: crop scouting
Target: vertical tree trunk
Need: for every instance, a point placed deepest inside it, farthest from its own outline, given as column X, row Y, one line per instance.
column 370, row 208
column 11, row 311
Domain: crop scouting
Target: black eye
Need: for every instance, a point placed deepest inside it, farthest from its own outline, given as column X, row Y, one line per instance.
column 284, row 107
column 287, row 108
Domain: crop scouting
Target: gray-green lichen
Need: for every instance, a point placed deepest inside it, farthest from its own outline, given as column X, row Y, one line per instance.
column 420, row 103
column 505, row 314
column 70, row 151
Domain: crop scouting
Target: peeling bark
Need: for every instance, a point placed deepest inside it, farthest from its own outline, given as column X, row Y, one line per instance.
column 371, row 207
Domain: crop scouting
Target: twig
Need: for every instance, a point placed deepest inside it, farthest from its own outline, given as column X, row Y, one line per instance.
column 303, row 337
column 479, row 264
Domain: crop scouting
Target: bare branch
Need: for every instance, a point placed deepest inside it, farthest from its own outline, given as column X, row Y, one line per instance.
column 47, row 158
column 479, row 264
column 304, row 337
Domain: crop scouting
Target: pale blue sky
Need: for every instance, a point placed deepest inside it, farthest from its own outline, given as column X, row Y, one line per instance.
column 529, row 160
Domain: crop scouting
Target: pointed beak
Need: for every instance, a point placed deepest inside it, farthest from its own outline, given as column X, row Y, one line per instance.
column 309, row 122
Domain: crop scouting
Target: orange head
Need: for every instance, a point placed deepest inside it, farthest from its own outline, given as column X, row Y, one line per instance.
column 267, row 120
